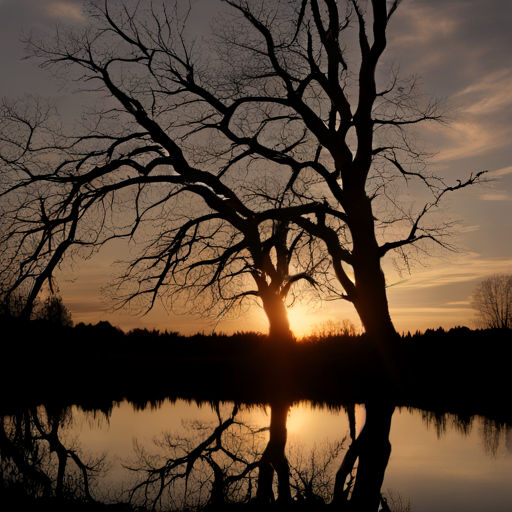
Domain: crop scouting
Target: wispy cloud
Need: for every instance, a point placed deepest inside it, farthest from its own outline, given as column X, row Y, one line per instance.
column 471, row 138
column 496, row 196
column 65, row 10
column 481, row 118
column 86, row 305
column 425, row 24
column 430, row 28
column 489, row 94
column 500, row 172
column 427, row 310
column 469, row 229
column 464, row 268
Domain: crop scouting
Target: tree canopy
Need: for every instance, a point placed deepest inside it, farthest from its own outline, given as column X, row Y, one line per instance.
column 276, row 136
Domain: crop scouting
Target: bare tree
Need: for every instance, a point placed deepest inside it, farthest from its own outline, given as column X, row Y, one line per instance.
column 191, row 257
column 492, row 302
column 278, row 95
column 206, row 266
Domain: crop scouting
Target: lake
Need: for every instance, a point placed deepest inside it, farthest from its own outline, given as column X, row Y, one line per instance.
column 179, row 454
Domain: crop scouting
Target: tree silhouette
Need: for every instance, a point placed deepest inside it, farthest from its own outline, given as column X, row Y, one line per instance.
column 213, row 464
column 492, row 302
column 227, row 462
column 52, row 309
column 211, row 269
column 206, row 260
column 273, row 120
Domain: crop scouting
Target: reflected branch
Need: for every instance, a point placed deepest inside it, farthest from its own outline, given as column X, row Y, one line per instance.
column 28, row 440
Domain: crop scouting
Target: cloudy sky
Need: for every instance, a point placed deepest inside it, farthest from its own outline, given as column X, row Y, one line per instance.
column 461, row 49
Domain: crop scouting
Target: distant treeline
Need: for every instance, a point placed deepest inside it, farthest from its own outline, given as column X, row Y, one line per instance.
column 100, row 362
column 44, row 337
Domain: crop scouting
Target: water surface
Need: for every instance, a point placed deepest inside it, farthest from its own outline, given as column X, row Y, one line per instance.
column 437, row 462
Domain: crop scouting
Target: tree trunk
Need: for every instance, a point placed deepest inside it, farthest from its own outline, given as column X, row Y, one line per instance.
column 369, row 296
column 370, row 301
column 374, row 450
column 274, row 458
column 279, row 325
column 372, row 306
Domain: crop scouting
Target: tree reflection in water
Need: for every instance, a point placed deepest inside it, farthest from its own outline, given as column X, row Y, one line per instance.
column 228, row 463
column 491, row 432
column 38, row 458
column 214, row 464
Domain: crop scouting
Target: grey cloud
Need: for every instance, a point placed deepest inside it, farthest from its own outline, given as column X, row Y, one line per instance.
column 18, row 17
column 478, row 41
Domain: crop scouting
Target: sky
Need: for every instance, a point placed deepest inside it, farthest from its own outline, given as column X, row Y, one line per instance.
column 461, row 50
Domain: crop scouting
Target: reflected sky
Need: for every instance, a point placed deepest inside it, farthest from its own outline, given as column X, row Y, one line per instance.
column 450, row 472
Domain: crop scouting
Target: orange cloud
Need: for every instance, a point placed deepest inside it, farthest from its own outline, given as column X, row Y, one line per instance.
column 480, row 124
column 495, row 196
column 469, row 137
column 500, row 172
column 65, row 10
column 425, row 23
column 487, row 95
column 469, row 266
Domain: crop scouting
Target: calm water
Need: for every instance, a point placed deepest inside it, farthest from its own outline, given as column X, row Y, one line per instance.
column 436, row 464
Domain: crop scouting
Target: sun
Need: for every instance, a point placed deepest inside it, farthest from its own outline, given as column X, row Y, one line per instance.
column 301, row 318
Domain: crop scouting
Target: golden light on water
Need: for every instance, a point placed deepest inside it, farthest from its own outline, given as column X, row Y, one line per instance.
column 297, row 417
